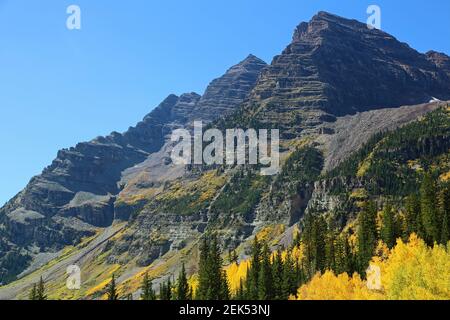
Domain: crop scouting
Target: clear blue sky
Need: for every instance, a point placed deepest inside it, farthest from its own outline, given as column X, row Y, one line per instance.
column 59, row 87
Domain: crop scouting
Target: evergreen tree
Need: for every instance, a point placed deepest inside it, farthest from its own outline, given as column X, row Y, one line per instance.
column 289, row 285
column 33, row 293
column 330, row 248
column 413, row 223
column 319, row 234
column 277, row 273
column 212, row 283
column 240, row 294
column 444, row 212
column 314, row 238
column 38, row 291
column 253, row 272
column 387, row 232
column 214, row 265
column 429, row 210
column 182, row 285
column 367, row 235
column 203, row 276
column 342, row 255
column 299, row 276
column 147, row 289
column 165, row 290
column 111, row 290
column 265, row 278
column 225, row 287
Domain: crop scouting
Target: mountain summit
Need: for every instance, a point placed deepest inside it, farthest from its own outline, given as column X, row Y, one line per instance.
column 339, row 66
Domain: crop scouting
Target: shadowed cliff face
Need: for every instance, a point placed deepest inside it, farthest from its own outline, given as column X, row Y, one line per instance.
column 225, row 93
column 77, row 191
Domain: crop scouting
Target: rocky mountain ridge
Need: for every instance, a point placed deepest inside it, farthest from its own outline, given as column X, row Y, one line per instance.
column 336, row 66
column 77, row 192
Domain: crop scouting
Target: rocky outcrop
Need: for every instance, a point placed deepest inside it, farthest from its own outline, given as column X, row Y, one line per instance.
column 441, row 60
column 225, row 94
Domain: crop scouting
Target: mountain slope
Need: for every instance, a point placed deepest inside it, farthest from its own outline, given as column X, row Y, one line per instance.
column 77, row 192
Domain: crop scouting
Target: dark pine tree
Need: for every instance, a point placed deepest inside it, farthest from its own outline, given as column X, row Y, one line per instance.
column 330, row 251
column 240, row 294
column 289, row 284
column 428, row 210
column 277, row 273
column 367, row 236
column 165, row 290
column 387, row 231
column 444, row 212
column 147, row 289
column 33, row 293
column 342, row 255
column 182, row 285
column 111, row 290
column 253, row 272
column 40, row 290
column 265, row 277
column 203, row 276
column 212, row 283
column 225, row 287
column 413, row 219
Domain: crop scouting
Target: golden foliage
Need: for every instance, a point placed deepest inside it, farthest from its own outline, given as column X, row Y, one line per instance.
column 236, row 272
column 270, row 233
column 410, row 271
column 415, row 271
column 206, row 187
column 445, row 177
column 331, row 287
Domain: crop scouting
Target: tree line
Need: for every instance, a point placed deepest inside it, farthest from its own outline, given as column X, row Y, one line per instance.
column 277, row 275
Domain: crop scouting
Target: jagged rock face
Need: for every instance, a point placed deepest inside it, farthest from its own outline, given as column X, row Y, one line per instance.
column 78, row 190
column 441, row 60
column 225, row 94
column 340, row 66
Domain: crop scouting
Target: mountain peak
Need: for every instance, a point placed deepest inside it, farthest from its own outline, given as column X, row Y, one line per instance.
column 226, row 93
column 328, row 16
column 327, row 22
column 252, row 59
column 251, row 62
column 340, row 66
column 335, row 19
